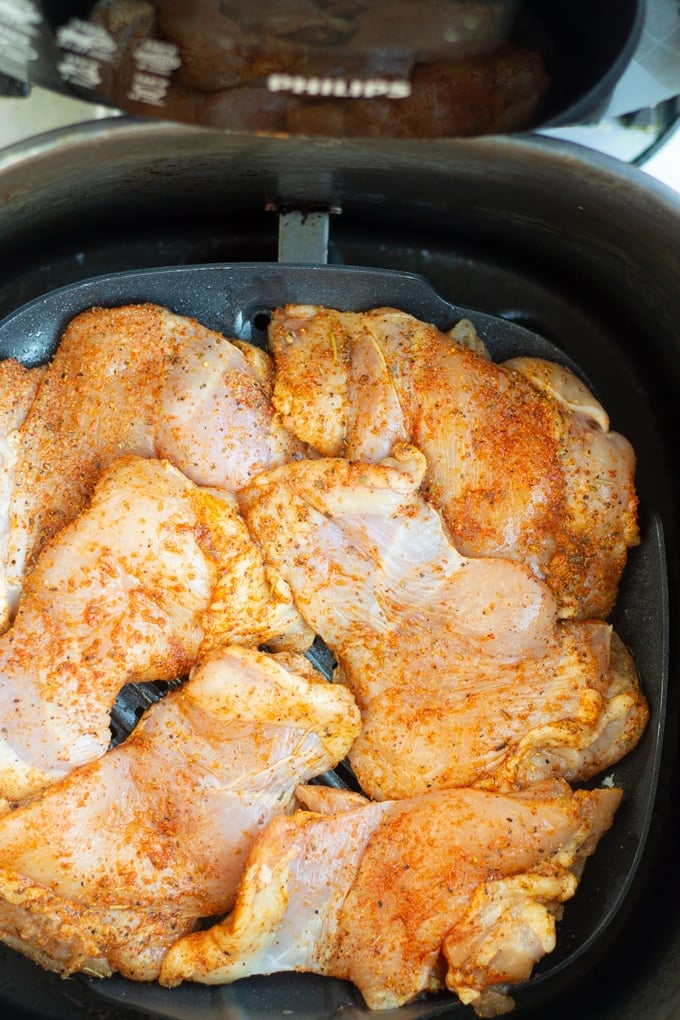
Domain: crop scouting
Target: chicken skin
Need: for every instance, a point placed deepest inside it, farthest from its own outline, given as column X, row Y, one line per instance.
column 139, row 380
column 461, row 669
column 380, row 893
column 520, row 459
column 106, row 869
column 155, row 573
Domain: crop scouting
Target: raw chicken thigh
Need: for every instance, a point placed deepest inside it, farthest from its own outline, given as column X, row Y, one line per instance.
column 155, row 573
column 135, row 380
column 461, row 670
column 105, row 870
column 18, row 387
column 458, row 887
column 520, row 459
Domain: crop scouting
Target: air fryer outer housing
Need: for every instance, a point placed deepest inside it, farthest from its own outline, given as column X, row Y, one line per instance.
column 577, row 246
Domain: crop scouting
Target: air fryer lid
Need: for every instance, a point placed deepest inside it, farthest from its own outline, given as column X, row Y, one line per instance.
column 343, row 68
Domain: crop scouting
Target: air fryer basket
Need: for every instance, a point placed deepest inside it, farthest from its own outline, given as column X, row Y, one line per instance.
column 528, row 229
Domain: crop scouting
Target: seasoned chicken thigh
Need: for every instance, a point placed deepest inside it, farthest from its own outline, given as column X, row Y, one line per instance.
column 461, row 670
column 215, row 420
column 156, row 572
column 520, row 459
column 136, row 380
column 105, row 870
column 18, row 387
column 379, row 893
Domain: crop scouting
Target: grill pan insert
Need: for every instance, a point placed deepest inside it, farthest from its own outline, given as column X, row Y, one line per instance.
column 236, row 300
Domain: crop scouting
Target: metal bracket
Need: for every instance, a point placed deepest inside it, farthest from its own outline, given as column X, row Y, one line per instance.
column 303, row 237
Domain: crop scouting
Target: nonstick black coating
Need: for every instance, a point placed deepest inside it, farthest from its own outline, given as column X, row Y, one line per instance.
column 236, row 299
column 586, row 47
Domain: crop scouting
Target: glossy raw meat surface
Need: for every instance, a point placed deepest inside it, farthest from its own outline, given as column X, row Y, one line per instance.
column 458, row 888
column 18, row 387
column 520, row 459
column 139, row 380
column 463, row 673
column 105, row 870
column 155, row 573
